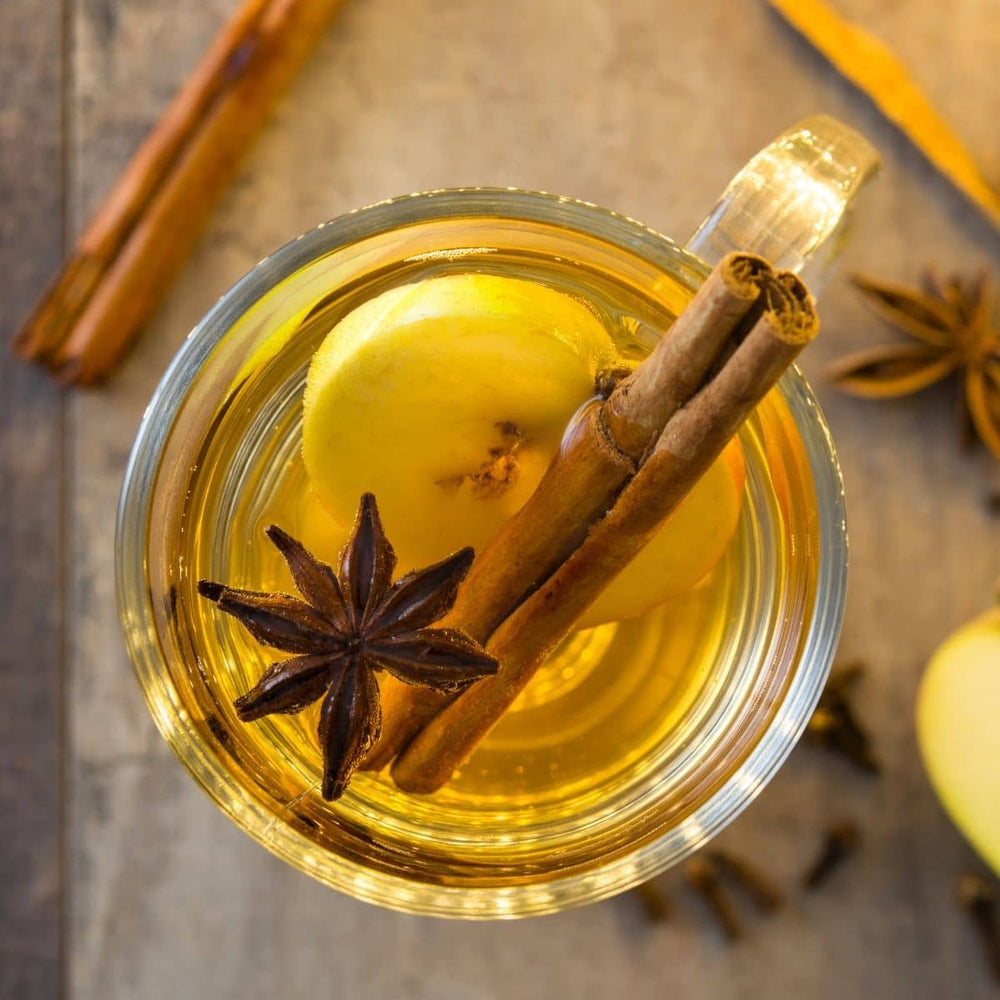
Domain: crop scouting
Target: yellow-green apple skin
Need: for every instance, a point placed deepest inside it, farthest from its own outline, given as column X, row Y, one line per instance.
column 958, row 732
column 688, row 545
column 417, row 391
column 447, row 399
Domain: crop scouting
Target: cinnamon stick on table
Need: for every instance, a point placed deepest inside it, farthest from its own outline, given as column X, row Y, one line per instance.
column 691, row 439
column 600, row 453
column 137, row 240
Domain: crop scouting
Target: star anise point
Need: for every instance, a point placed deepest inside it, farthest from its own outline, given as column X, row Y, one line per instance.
column 213, row 591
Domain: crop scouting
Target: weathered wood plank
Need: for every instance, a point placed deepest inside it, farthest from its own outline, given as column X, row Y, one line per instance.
column 647, row 107
column 128, row 59
column 31, row 491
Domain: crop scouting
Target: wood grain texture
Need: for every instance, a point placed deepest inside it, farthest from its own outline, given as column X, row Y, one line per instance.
column 31, row 483
column 648, row 107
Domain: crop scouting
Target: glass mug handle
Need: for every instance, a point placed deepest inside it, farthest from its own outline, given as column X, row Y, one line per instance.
column 791, row 203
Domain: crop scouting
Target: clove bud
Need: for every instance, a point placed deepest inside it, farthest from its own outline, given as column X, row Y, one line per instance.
column 702, row 875
column 751, row 880
column 840, row 842
column 834, row 726
column 655, row 902
column 979, row 899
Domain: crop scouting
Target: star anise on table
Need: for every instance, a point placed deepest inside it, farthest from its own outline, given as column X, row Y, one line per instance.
column 953, row 330
column 351, row 625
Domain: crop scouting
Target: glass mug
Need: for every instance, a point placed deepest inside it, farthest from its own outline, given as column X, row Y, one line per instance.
column 509, row 837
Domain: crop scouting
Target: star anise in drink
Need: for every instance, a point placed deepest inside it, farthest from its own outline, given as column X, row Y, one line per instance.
column 350, row 626
column 952, row 329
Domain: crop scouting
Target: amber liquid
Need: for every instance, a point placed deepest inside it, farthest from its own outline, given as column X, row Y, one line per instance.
column 611, row 701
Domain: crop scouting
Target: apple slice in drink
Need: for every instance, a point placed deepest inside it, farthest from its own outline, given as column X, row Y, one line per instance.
column 447, row 399
column 693, row 539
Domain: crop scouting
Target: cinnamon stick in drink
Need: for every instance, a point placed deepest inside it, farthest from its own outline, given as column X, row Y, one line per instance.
column 601, row 451
column 690, row 441
column 138, row 239
column 603, row 448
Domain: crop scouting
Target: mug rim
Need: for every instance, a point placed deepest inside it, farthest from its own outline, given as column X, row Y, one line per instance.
column 573, row 889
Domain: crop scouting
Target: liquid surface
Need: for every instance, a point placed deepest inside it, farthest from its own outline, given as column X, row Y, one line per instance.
column 613, row 703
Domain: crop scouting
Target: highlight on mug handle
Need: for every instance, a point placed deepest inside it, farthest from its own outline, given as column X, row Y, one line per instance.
column 792, row 202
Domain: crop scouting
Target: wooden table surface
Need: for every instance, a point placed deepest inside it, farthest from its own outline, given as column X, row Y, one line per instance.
column 118, row 877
